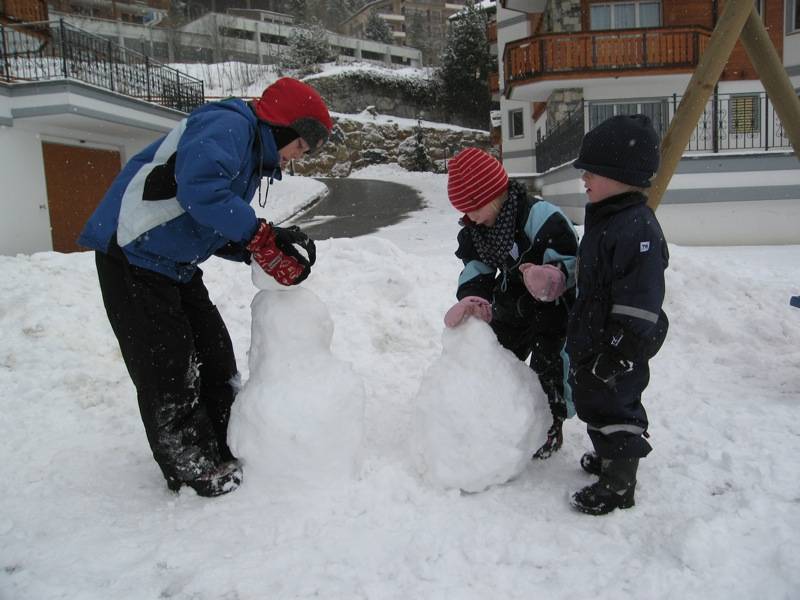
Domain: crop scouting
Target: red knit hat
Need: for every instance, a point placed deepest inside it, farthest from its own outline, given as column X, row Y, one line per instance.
column 292, row 103
column 475, row 179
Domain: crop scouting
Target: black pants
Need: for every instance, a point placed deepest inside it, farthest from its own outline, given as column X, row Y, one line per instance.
column 546, row 360
column 615, row 418
column 180, row 357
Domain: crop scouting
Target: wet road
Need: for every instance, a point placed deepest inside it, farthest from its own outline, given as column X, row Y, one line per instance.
column 357, row 207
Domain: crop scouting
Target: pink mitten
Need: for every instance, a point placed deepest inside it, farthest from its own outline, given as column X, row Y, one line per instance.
column 469, row 306
column 544, row 282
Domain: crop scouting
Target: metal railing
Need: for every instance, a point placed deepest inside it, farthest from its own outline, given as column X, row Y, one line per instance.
column 562, row 143
column 52, row 50
column 730, row 123
column 745, row 121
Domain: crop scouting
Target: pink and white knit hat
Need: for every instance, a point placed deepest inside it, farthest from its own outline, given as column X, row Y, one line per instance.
column 474, row 179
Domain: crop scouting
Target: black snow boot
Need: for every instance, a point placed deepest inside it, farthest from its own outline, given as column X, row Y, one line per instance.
column 591, row 463
column 216, row 482
column 615, row 489
column 555, row 439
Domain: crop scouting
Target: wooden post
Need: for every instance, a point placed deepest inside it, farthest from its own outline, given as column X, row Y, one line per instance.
column 770, row 69
column 709, row 69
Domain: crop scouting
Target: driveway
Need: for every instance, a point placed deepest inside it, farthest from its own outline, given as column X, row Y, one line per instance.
column 356, row 207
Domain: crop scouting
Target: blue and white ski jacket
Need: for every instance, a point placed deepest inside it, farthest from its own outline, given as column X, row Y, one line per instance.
column 188, row 194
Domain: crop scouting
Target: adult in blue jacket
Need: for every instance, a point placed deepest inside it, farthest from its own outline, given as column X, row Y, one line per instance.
column 179, row 201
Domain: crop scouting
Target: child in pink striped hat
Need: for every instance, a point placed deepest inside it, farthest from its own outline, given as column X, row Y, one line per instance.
column 519, row 272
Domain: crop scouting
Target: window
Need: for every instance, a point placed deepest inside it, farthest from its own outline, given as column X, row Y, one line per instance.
column 650, row 14
column 236, row 33
column 274, row 39
column 656, row 108
column 600, row 17
column 516, row 126
column 625, row 15
column 744, row 114
column 793, row 8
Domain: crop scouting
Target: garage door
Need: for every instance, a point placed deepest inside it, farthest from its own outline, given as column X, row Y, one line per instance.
column 76, row 179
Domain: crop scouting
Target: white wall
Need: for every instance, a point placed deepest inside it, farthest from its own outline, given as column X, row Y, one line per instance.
column 791, row 42
column 635, row 87
column 25, row 226
column 508, row 33
column 731, row 223
column 520, row 164
column 791, row 50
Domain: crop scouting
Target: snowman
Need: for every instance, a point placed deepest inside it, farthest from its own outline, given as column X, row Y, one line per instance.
column 299, row 419
column 479, row 412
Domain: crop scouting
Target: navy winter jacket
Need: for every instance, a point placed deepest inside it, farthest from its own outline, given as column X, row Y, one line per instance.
column 188, row 194
column 621, row 263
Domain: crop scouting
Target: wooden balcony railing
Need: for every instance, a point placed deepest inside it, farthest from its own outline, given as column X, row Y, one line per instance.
column 24, row 10
column 491, row 32
column 494, row 82
column 622, row 51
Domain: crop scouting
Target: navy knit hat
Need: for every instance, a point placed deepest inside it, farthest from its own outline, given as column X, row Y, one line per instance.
column 623, row 148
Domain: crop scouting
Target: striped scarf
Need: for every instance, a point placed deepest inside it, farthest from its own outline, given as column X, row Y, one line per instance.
column 494, row 243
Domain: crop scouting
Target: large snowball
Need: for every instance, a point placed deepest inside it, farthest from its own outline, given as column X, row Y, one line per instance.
column 480, row 412
column 299, row 419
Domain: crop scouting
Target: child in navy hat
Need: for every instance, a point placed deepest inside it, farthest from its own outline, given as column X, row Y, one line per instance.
column 519, row 258
column 616, row 323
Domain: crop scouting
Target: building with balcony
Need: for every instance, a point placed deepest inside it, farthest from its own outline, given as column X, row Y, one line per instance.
column 430, row 17
column 254, row 36
column 74, row 108
column 566, row 66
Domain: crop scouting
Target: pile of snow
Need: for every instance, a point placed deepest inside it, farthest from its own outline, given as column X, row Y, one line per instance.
column 289, row 425
column 480, row 412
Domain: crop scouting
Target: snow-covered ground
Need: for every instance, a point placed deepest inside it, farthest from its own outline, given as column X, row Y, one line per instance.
column 85, row 514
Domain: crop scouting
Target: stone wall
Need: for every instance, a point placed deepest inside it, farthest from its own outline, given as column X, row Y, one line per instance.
column 367, row 143
column 561, row 104
column 352, row 92
column 562, row 15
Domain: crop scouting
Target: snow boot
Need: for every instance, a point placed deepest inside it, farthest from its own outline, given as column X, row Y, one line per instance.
column 591, row 463
column 615, row 489
column 555, row 439
column 216, row 482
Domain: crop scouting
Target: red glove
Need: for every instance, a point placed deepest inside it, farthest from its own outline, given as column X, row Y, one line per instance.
column 544, row 282
column 273, row 248
column 468, row 306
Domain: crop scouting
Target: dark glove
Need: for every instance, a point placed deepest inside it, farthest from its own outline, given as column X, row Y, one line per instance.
column 602, row 372
column 554, row 441
column 273, row 248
